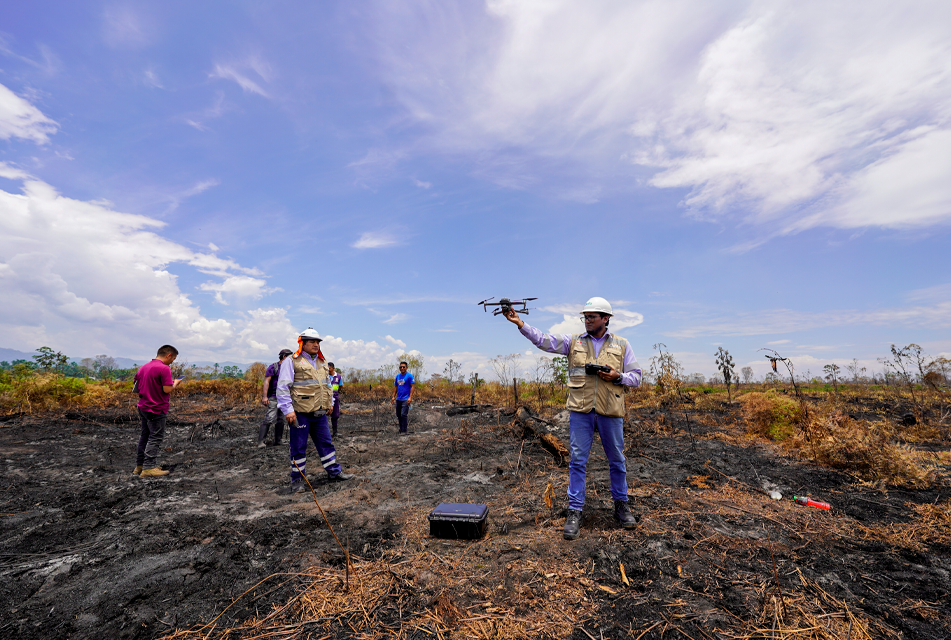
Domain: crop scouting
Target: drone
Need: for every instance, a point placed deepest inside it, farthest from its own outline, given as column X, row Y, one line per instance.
column 505, row 305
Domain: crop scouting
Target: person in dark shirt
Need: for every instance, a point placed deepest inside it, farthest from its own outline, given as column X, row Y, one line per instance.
column 154, row 384
column 272, row 415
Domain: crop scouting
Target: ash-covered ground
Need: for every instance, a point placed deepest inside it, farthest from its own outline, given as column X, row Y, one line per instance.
column 88, row 550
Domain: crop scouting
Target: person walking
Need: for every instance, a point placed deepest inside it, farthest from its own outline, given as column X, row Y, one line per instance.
column 153, row 382
column 304, row 397
column 336, row 383
column 403, row 395
column 595, row 402
column 272, row 415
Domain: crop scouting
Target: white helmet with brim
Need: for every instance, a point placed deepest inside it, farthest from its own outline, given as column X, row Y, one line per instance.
column 310, row 334
column 597, row 305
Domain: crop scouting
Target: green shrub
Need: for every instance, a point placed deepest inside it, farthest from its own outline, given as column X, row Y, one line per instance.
column 771, row 414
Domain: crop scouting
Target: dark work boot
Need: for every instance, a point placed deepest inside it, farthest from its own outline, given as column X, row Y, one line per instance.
column 624, row 516
column 292, row 488
column 572, row 524
column 340, row 477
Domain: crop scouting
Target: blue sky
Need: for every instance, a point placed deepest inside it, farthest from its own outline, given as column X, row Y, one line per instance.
column 220, row 175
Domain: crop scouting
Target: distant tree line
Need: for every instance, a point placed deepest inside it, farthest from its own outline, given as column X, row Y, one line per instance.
column 104, row 367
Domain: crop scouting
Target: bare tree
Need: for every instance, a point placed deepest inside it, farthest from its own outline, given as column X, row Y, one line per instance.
column 453, row 371
column 506, row 367
column 901, row 368
column 857, row 371
column 747, row 373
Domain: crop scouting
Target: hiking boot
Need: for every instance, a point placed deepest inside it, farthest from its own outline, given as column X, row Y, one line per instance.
column 572, row 524
column 154, row 472
column 340, row 477
column 624, row 516
column 137, row 470
column 292, row 488
column 262, row 444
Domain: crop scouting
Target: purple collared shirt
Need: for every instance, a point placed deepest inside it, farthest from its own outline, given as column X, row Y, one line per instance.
column 285, row 378
column 561, row 344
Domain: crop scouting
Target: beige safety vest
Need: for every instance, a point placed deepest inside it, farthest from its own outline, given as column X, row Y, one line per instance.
column 591, row 392
column 310, row 390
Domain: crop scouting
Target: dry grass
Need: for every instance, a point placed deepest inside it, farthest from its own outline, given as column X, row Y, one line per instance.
column 867, row 449
column 50, row 392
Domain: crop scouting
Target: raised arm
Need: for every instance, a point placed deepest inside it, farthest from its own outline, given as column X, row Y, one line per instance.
column 550, row 342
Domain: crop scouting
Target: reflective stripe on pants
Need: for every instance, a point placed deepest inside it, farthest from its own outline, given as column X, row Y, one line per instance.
column 316, row 427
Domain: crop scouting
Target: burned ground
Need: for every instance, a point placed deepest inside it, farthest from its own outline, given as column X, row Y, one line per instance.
column 89, row 551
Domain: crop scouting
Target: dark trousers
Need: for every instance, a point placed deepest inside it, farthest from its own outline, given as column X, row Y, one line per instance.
column 316, row 427
column 150, row 438
column 402, row 414
column 335, row 415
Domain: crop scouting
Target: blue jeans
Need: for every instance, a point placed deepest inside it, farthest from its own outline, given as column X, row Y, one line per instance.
column 611, row 430
column 316, row 427
column 402, row 414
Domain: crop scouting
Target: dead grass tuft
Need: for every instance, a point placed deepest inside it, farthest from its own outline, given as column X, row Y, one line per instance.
column 867, row 449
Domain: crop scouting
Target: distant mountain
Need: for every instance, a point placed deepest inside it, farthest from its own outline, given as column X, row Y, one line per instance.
column 123, row 363
column 12, row 354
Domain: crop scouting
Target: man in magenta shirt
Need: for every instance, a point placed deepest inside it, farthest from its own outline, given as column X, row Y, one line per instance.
column 154, row 384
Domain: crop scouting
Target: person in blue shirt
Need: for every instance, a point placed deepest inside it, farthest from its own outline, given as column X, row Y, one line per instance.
column 403, row 395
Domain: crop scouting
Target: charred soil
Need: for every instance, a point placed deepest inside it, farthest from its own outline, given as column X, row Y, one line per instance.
column 87, row 550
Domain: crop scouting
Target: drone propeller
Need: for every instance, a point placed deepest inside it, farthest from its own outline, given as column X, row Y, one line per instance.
column 505, row 304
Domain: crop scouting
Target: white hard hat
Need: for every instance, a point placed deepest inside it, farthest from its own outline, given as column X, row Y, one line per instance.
column 597, row 305
column 310, row 334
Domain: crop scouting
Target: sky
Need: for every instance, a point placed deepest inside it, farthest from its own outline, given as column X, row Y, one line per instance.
column 222, row 175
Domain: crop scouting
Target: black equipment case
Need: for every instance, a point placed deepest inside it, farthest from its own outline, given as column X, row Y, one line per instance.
column 458, row 521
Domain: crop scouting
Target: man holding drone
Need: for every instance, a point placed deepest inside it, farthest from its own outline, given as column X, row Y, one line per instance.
column 599, row 364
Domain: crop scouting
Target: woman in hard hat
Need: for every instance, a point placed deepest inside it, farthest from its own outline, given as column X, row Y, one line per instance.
column 595, row 402
column 304, row 397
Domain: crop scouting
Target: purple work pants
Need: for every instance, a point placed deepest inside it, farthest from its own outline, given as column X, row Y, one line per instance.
column 316, row 428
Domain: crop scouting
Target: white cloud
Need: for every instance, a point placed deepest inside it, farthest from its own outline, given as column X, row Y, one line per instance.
column 20, row 119
column 936, row 293
column 238, row 287
column 84, row 274
column 817, row 113
column 772, row 321
column 239, row 73
column 796, row 115
column 421, row 184
column 359, row 353
column 176, row 199
column 152, row 79
column 572, row 323
column 396, row 318
column 375, row 240
column 398, row 343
